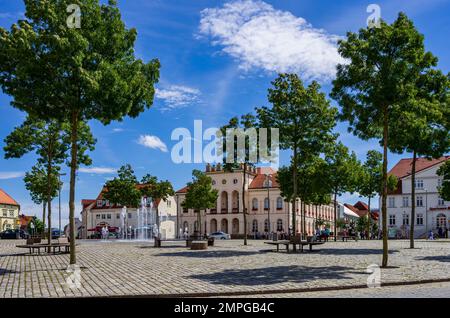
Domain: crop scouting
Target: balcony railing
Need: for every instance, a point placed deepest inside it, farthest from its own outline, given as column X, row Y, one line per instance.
column 213, row 211
column 235, row 210
column 224, row 211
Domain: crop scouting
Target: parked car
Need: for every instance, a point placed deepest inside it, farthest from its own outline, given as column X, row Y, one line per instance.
column 10, row 235
column 24, row 234
column 220, row 236
column 56, row 233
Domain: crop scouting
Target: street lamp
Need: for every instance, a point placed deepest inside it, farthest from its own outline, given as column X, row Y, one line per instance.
column 268, row 176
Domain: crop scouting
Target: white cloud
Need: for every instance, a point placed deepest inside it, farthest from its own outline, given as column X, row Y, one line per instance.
column 177, row 96
column 11, row 175
column 261, row 37
column 97, row 170
column 152, row 142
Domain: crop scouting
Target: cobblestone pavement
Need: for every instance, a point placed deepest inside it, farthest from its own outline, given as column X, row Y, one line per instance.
column 433, row 290
column 136, row 268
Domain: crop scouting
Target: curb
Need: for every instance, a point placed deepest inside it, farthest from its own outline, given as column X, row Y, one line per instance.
column 279, row 291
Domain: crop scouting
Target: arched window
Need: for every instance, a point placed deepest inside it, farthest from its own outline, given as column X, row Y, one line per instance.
column 255, row 204
column 196, row 227
column 279, row 225
column 255, row 226
column 266, row 204
column 266, row 225
column 279, row 203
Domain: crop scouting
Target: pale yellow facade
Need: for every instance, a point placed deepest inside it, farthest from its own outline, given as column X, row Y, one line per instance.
column 262, row 217
column 9, row 217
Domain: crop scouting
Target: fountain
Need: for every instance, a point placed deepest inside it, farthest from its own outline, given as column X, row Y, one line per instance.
column 145, row 229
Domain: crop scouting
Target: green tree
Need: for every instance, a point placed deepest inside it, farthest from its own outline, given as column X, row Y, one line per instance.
column 241, row 157
column 304, row 118
column 39, row 226
column 376, row 85
column 49, row 140
column 157, row 191
column 200, row 195
column 342, row 174
column 422, row 127
column 370, row 183
column 123, row 190
column 36, row 184
column 75, row 74
column 310, row 184
column 444, row 172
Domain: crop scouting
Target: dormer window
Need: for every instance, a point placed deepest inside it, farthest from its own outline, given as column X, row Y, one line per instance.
column 99, row 203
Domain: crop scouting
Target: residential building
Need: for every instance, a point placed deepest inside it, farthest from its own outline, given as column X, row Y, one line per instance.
column 432, row 212
column 362, row 209
column 267, row 209
column 100, row 212
column 9, row 212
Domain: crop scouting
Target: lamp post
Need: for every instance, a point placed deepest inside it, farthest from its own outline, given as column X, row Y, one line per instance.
column 268, row 176
column 426, row 210
column 59, row 199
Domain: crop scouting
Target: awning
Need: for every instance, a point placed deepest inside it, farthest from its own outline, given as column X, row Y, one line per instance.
column 349, row 212
column 111, row 229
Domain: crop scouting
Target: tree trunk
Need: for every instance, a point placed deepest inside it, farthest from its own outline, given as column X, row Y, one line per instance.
column 335, row 217
column 49, row 203
column 413, row 201
column 158, row 221
column 294, row 196
column 243, row 205
column 369, row 216
column 305, row 234
column 384, row 194
column 73, row 168
column 44, row 204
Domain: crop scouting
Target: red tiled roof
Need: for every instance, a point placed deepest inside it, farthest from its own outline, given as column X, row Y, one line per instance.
column 182, row 190
column 362, row 209
column 85, row 202
column 403, row 167
column 5, row 198
column 361, row 206
column 25, row 219
column 259, row 181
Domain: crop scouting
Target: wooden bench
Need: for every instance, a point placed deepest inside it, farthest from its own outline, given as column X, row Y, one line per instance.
column 199, row 245
column 311, row 244
column 278, row 243
column 345, row 238
column 35, row 244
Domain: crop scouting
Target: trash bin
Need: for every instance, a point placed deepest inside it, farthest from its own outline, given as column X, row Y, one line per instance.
column 211, row 241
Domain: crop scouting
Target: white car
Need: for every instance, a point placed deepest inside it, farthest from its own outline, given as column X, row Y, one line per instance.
column 220, row 236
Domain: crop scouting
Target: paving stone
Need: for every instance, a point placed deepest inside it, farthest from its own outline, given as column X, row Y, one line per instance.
column 136, row 268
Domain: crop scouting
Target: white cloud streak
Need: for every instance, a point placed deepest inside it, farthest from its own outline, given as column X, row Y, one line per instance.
column 177, row 96
column 97, row 170
column 6, row 175
column 260, row 37
column 152, row 142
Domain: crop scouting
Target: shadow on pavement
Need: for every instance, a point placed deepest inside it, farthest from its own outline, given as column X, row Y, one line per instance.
column 277, row 275
column 353, row 251
column 210, row 254
column 437, row 258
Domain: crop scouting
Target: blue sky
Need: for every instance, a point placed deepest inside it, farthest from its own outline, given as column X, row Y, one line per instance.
column 218, row 58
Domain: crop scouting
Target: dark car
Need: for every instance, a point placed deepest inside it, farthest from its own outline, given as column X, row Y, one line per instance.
column 10, row 235
column 56, row 233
